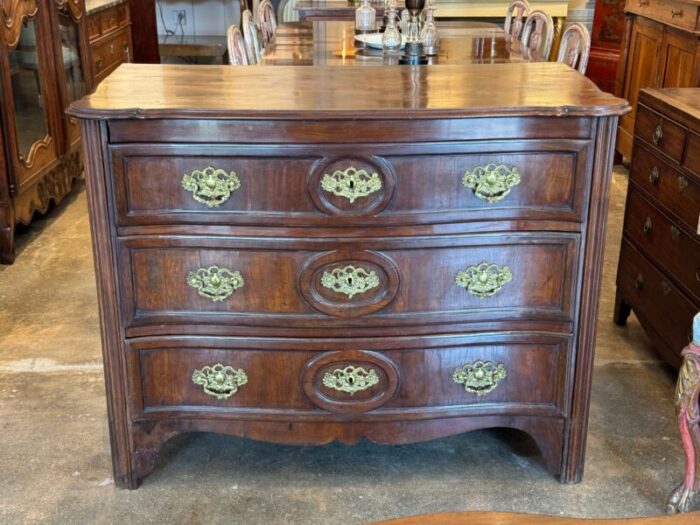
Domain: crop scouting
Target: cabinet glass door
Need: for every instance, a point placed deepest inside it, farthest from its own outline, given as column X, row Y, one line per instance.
column 71, row 53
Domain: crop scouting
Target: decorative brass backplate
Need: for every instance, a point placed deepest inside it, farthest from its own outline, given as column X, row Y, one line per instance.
column 491, row 182
column 220, row 381
column 351, row 379
column 479, row 377
column 211, row 186
column 658, row 134
column 351, row 183
column 215, row 283
column 484, row 280
column 350, row 280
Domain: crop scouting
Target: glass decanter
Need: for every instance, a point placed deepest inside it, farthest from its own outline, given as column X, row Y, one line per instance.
column 365, row 18
column 429, row 36
column 391, row 39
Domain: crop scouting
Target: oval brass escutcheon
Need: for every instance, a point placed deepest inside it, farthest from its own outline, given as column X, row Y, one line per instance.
column 349, row 283
column 211, row 186
column 350, row 381
column 479, row 377
column 219, row 381
column 351, row 183
column 215, row 283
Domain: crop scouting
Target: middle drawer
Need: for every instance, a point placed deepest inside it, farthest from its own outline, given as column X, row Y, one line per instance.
column 373, row 282
column 381, row 185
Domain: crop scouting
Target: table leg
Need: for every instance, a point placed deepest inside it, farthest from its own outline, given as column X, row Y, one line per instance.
column 688, row 414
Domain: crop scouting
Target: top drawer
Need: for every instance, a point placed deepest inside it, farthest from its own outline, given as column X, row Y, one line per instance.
column 663, row 134
column 294, row 185
column 671, row 12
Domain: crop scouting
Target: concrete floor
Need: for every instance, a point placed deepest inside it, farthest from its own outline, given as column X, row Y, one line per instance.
column 54, row 448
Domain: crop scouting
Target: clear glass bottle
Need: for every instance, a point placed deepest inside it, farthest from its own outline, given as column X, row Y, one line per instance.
column 391, row 39
column 365, row 18
column 403, row 24
column 429, row 36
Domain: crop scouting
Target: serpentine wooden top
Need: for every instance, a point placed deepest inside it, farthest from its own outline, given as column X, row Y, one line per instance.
column 292, row 92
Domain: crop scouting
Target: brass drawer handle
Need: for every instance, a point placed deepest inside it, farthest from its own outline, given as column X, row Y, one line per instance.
column 211, row 186
column 682, row 183
column 351, row 183
column 99, row 63
column 350, row 379
column 484, row 280
column 219, row 381
column 658, row 134
column 676, row 13
column 665, row 287
column 639, row 282
column 654, row 175
column 643, row 3
column 491, row 182
column 647, row 225
column 675, row 232
column 479, row 377
column 350, row 280
column 215, row 283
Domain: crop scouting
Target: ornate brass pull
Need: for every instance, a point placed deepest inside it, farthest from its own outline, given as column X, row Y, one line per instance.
column 647, row 225
column 639, row 282
column 211, row 186
column 491, row 182
column 351, row 183
column 654, row 175
column 682, row 183
column 665, row 287
column 479, row 377
column 658, row 134
column 215, row 283
column 484, row 280
column 220, row 381
column 675, row 232
column 99, row 63
column 350, row 280
column 350, row 379
column 676, row 13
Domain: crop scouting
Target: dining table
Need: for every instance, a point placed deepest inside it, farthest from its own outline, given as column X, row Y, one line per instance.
column 333, row 43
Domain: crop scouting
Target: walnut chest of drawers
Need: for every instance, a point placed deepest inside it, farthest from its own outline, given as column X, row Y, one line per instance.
column 284, row 258
column 659, row 272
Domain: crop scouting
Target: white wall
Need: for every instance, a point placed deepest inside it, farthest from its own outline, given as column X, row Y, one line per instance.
column 204, row 17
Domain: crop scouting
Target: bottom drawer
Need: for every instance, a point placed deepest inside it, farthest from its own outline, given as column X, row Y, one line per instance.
column 656, row 301
column 519, row 373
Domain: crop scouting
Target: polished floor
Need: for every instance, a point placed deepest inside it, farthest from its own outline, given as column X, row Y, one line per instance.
column 54, row 446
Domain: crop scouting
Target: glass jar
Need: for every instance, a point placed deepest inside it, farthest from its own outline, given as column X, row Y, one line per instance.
column 365, row 18
column 391, row 39
column 429, row 34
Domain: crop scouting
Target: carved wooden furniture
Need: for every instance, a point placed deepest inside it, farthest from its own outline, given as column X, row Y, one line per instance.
column 110, row 38
column 236, row 47
column 606, row 41
column 43, row 68
column 517, row 10
column 659, row 271
column 308, row 265
column 661, row 49
column 268, row 22
column 575, row 47
column 688, row 415
column 250, row 37
column 538, row 35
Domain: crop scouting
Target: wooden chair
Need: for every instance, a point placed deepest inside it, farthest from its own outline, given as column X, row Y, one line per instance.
column 538, row 34
column 236, row 47
column 250, row 37
column 268, row 22
column 575, row 47
column 514, row 18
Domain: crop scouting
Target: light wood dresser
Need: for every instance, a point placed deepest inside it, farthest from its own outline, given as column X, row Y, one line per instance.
column 659, row 272
column 388, row 253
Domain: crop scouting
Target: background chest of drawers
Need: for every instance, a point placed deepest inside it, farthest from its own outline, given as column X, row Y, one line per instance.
column 108, row 26
column 304, row 269
column 659, row 272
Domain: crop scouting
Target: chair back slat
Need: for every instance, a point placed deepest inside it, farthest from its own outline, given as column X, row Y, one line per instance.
column 517, row 10
column 575, row 47
column 250, row 37
column 237, row 55
column 538, row 35
column 268, row 22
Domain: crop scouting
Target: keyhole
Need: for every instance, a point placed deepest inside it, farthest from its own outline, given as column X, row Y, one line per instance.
column 351, row 380
column 349, row 281
column 352, row 184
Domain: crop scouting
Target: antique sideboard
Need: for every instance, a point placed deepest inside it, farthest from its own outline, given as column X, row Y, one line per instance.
column 659, row 271
column 339, row 260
